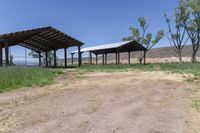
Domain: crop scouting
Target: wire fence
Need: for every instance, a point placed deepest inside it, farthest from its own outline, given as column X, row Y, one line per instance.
column 23, row 60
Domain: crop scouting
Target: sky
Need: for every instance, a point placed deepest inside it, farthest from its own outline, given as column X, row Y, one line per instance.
column 93, row 22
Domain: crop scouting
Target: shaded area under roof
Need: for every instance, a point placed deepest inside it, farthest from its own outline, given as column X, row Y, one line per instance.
column 126, row 46
column 40, row 39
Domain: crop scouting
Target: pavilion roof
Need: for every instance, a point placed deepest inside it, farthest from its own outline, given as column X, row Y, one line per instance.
column 125, row 46
column 40, row 39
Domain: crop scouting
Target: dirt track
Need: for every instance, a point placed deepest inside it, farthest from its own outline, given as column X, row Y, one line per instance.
column 125, row 102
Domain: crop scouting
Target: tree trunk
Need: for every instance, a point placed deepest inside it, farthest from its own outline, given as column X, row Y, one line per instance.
column 193, row 60
column 180, row 57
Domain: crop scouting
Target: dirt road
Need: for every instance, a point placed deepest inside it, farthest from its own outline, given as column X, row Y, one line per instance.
column 123, row 102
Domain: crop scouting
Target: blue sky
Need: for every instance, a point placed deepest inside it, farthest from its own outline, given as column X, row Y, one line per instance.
column 93, row 22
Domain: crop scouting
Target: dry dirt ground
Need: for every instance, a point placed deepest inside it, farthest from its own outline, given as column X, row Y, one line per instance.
column 118, row 102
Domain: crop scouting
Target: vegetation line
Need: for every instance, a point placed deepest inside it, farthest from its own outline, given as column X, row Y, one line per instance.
column 188, row 68
column 18, row 77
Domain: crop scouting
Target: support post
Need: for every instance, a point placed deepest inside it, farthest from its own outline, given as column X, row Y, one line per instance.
column 1, row 56
column 106, row 58
column 90, row 58
column 7, row 54
column 72, row 57
column 129, row 57
column 116, row 58
column 40, row 63
column 46, row 58
column 96, row 59
column 144, row 57
column 55, row 60
column 65, row 54
column 103, row 59
column 25, row 57
column 79, row 56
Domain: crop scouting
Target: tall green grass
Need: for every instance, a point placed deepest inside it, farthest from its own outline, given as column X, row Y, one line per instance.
column 173, row 67
column 189, row 68
column 196, row 103
column 17, row 77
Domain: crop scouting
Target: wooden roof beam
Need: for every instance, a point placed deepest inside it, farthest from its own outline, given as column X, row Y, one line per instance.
column 30, row 47
column 44, row 42
column 27, row 32
column 52, row 41
column 37, row 45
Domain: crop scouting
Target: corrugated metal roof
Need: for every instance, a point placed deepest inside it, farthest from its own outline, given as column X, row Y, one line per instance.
column 102, row 47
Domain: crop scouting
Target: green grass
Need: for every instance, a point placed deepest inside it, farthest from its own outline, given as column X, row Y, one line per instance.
column 172, row 67
column 18, row 77
column 196, row 104
column 115, row 68
column 188, row 68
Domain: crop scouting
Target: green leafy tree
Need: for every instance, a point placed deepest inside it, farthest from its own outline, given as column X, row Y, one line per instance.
column 43, row 56
column 11, row 60
column 192, row 25
column 177, row 35
column 144, row 38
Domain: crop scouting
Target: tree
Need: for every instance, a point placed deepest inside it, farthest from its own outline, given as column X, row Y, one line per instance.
column 192, row 25
column 43, row 55
column 178, row 38
column 144, row 38
column 11, row 60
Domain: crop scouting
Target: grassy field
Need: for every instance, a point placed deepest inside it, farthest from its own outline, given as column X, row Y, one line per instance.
column 172, row 67
column 18, row 77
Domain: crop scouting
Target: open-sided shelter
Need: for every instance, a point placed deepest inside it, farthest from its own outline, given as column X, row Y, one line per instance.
column 40, row 40
column 117, row 48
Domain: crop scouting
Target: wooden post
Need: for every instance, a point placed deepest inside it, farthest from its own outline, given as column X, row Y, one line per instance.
column 39, row 55
column 1, row 56
column 90, row 58
column 103, row 59
column 129, row 57
column 79, row 56
column 72, row 56
column 7, row 54
column 106, row 58
column 46, row 58
column 25, row 57
column 96, row 59
column 116, row 58
column 65, row 54
column 55, row 60
column 144, row 57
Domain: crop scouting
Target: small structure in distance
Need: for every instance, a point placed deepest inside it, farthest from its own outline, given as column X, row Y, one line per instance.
column 117, row 48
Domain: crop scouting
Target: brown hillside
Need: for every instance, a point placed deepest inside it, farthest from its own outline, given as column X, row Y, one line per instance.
column 157, row 53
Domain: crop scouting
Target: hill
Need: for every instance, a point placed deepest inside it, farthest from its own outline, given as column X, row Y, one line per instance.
column 162, row 54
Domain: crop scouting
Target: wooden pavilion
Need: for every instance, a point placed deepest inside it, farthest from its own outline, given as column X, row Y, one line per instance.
column 117, row 48
column 40, row 40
